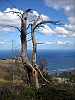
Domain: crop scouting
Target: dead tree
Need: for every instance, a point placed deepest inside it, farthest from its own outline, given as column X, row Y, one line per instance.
column 23, row 34
column 32, row 70
column 24, row 39
column 35, row 26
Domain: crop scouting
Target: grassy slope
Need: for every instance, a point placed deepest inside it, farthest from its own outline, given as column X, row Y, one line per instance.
column 54, row 92
column 6, row 71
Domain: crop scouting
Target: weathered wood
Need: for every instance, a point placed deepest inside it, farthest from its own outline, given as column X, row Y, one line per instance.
column 34, row 47
column 23, row 39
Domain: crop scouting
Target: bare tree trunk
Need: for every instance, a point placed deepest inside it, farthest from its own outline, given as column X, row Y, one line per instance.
column 34, row 49
column 24, row 55
column 35, row 79
column 34, row 54
column 34, row 59
column 23, row 40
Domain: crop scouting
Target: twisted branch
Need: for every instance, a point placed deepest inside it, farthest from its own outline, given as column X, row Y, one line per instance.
column 10, row 26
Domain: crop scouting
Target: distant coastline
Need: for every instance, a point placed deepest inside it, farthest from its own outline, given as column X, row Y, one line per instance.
column 57, row 60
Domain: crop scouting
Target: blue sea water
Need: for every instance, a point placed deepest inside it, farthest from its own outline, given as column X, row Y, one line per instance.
column 58, row 60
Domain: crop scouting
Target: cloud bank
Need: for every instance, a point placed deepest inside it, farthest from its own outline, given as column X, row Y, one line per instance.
column 68, row 7
column 14, row 20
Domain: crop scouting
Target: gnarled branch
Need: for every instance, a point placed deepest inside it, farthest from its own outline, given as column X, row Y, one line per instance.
column 37, row 69
column 45, row 22
column 10, row 26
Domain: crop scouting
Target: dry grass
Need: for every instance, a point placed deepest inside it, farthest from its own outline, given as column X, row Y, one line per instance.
column 6, row 72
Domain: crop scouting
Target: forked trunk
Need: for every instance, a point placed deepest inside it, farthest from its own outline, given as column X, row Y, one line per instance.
column 29, row 68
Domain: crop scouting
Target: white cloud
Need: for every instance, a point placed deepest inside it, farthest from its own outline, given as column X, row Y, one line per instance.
column 60, row 43
column 6, row 29
column 35, row 13
column 58, row 30
column 65, row 31
column 67, row 5
column 9, row 19
column 44, row 17
column 70, row 27
column 71, row 20
column 49, row 42
column 47, row 30
column 13, row 19
column 55, row 43
column 13, row 9
column 2, row 43
column 61, row 30
column 37, row 17
column 69, row 9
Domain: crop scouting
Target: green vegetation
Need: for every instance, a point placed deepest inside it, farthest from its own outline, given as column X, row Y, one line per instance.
column 29, row 93
column 59, row 88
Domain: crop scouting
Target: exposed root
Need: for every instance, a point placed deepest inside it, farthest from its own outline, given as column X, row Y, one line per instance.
column 37, row 69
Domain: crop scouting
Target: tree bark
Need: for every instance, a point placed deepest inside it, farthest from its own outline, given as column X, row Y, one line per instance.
column 24, row 40
column 36, row 81
column 28, row 67
column 34, row 48
column 24, row 55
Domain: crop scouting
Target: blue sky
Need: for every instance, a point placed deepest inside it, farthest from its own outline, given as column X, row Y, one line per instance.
column 53, row 37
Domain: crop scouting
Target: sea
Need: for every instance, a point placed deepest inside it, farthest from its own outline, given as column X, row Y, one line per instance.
column 56, row 60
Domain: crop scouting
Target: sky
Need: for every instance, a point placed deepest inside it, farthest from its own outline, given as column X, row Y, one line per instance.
column 51, row 36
